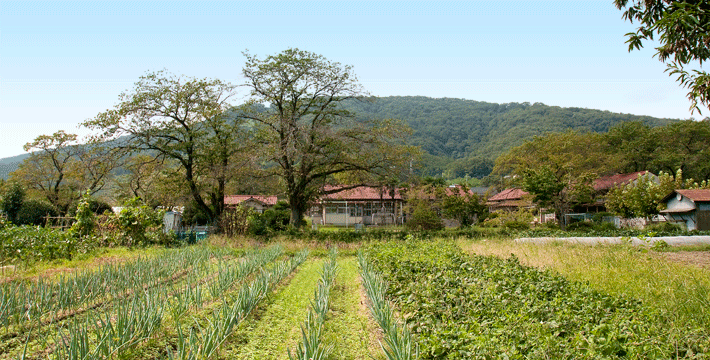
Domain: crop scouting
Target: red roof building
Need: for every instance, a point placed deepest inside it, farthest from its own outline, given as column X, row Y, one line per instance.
column 256, row 202
column 361, row 205
column 691, row 208
column 605, row 183
column 509, row 199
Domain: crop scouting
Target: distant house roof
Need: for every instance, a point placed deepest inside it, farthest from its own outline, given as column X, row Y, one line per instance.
column 696, row 195
column 238, row 199
column 608, row 182
column 508, row 194
column 458, row 190
column 361, row 193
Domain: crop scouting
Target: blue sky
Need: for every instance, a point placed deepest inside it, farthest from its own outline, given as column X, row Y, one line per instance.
column 63, row 62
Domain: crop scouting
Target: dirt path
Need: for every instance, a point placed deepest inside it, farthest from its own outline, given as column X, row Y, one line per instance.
column 670, row 240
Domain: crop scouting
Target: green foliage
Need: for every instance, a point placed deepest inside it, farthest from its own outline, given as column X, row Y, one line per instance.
column 466, row 208
column 643, row 197
column 307, row 133
column 85, row 218
column 424, row 218
column 33, row 212
column 96, row 206
column 498, row 308
column 453, row 129
column 238, row 221
column 193, row 214
column 272, row 220
column 12, row 201
column 682, row 30
column 27, row 244
column 139, row 225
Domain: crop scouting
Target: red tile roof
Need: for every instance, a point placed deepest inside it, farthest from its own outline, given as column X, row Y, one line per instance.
column 361, row 193
column 458, row 190
column 238, row 199
column 695, row 195
column 608, row 182
column 509, row 194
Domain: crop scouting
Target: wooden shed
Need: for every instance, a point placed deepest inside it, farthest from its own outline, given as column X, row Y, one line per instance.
column 689, row 207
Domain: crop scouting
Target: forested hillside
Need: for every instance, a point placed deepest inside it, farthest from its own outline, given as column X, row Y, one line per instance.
column 459, row 128
column 465, row 136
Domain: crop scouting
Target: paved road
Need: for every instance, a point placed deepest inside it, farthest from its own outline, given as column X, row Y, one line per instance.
column 670, row 240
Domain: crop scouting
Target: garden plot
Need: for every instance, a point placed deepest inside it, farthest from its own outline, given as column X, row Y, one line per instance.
column 459, row 306
column 192, row 303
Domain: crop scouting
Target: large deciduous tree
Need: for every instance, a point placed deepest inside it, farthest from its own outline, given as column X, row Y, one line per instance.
column 557, row 169
column 683, row 30
column 306, row 133
column 184, row 119
column 61, row 170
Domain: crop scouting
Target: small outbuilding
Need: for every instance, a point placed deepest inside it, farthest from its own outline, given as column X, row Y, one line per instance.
column 259, row 203
column 689, row 207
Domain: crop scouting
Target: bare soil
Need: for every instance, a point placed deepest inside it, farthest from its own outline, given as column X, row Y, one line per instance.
column 697, row 258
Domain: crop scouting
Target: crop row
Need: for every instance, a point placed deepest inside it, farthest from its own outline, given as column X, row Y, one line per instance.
column 138, row 317
column 32, row 301
column 398, row 340
column 460, row 306
column 311, row 346
column 204, row 342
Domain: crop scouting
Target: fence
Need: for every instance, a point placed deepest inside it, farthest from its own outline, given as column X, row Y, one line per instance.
column 59, row 222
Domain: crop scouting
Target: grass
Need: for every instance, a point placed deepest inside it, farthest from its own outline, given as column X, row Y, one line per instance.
column 349, row 328
column 680, row 293
column 80, row 261
column 274, row 328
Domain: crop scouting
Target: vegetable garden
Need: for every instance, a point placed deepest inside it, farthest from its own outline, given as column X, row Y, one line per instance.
column 394, row 300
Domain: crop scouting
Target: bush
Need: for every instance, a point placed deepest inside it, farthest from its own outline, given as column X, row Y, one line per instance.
column 424, row 218
column 583, row 226
column 96, row 206
column 516, row 225
column 12, row 201
column 272, row 220
column 33, row 212
column 139, row 225
column 195, row 215
column 33, row 243
column 664, row 227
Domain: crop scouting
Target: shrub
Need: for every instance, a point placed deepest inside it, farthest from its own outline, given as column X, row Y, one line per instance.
column 138, row 224
column 85, row 218
column 96, row 206
column 195, row 215
column 583, row 226
column 272, row 220
column 664, row 227
column 33, row 212
column 516, row 225
column 12, row 201
column 33, row 243
column 424, row 218
column 237, row 221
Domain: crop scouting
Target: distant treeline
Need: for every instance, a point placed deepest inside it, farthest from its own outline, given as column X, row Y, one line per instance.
column 464, row 137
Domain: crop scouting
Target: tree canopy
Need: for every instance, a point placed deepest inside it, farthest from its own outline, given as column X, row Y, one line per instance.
column 186, row 120
column 683, row 30
column 307, row 135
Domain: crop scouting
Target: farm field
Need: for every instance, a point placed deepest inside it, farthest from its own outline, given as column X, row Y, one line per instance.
column 434, row 299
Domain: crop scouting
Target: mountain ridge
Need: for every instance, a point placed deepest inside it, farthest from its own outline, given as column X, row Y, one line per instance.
column 450, row 129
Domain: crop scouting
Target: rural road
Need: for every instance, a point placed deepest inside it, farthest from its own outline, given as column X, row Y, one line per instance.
column 670, row 240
